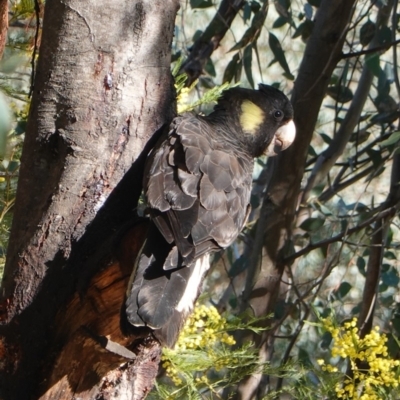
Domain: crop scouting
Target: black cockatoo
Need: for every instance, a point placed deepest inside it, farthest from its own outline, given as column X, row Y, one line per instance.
column 197, row 186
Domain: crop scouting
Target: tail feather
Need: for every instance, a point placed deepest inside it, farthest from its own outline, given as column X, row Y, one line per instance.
column 158, row 297
column 161, row 298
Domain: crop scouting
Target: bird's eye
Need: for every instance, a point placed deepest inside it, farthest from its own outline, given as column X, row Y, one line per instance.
column 278, row 115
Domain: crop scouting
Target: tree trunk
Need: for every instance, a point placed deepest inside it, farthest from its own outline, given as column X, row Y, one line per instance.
column 323, row 52
column 3, row 25
column 102, row 89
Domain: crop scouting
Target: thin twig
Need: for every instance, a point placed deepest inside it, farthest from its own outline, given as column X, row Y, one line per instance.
column 339, row 236
column 33, row 73
column 377, row 49
column 394, row 25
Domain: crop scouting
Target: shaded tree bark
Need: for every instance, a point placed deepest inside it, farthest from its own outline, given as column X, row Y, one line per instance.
column 3, row 25
column 377, row 250
column 102, row 88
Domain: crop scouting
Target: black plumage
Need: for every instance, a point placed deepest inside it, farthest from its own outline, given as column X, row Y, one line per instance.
column 197, row 185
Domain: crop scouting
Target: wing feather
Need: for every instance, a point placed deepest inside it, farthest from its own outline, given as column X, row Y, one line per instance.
column 210, row 197
column 199, row 188
column 215, row 167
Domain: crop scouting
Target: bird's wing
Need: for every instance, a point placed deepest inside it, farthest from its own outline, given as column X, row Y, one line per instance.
column 198, row 193
column 198, row 189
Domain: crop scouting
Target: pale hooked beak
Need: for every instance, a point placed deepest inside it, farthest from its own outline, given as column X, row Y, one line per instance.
column 283, row 138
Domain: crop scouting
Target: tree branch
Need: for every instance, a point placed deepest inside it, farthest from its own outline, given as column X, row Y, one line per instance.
column 373, row 271
column 210, row 39
column 3, row 25
column 336, row 187
column 395, row 66
column 35, row 45
column 85, row 143
column 339, row 237
column 335, row 149
column 321, row 55
column 371, row 50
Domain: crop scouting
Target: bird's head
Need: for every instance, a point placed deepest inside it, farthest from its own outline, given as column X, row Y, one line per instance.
column 261, row 120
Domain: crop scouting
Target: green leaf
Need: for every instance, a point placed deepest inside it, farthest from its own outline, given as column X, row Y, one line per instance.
column 312, row 224
column 327, row 139
column 375, row 156
column 238, row 266
column 393, row 343
column 197, row 35
column 356, row 310
column 325, row 210
column 288, row 76
column 247, row 62
column 308, row 10
column 280, row 21
column 372, row 62
column 360, row 136
column 390, row 255
column 386, row 267
column 345, row 72
column 304, row 358
column 276, row 48
column 311, row 151
column 340, row 93
column 382, row 288
column 255, row 201
column 20, row 127
column 255, row 6
column 334, row 79
column 201, row 3
column 238, row 74
column 5, row 124
column 209, row 68
column 361, row 265
column 384, row 35
column 253, row 32
column 391, row 278
column 231, row 70
column 176, row 56
column 357, row 206
column 326, row 340
column 280, row 309
column 392, row 139
column 13, row 166
column 396, row 324
column 304, row 30
column 367, row 32
column 282, row 8
column 206, row 82
column 384, row 82
column 343, row 290
column 246, row 12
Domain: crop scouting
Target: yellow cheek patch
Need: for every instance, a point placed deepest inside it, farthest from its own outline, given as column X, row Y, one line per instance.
column 251, row 117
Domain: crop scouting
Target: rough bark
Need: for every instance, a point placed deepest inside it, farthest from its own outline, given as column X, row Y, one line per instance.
column 3, row 25
column 86, row 363
column 377, row 249
column 323, row 51
column 102, row 89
